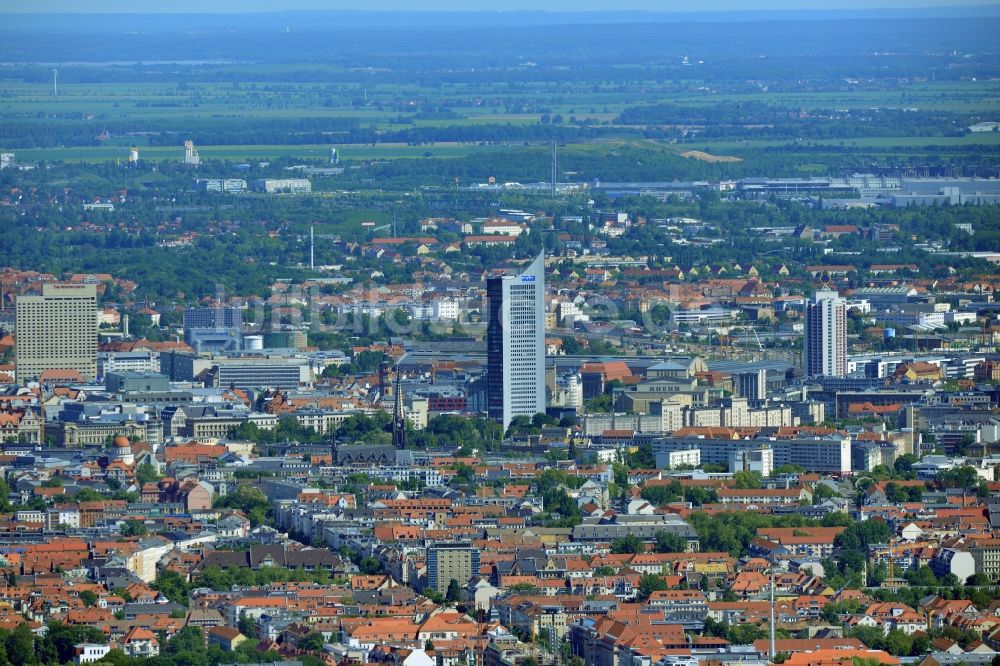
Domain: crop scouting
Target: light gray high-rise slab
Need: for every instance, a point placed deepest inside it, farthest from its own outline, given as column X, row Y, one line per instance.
column 515, row 341
column 57, row 331
column 825, row 348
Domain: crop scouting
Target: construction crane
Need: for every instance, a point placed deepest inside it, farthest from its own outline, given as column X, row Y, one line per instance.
column 753, row 329
column 729, row 345
column 391, row 225
column 891, row 570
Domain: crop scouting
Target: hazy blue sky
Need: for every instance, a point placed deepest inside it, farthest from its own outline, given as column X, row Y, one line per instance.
column 229, row 6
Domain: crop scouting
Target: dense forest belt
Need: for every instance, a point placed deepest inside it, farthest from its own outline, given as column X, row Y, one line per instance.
column 403, row 167
column 671, row 122
column 756, row 120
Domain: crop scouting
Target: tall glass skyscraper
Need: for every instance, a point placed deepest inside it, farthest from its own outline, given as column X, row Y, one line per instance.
column 825, row 352
column 515, row 344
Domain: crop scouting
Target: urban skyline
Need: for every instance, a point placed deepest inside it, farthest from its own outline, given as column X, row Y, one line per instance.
column 662, row 334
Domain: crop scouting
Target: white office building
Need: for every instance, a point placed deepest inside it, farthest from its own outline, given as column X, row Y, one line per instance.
column 826, row 336
column 515, row 343
column 57, row 331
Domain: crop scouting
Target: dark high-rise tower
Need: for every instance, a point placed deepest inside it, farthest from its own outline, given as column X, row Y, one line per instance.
column 494, row 349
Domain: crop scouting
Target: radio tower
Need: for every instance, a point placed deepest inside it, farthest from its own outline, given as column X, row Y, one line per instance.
column 55, row 82
column 312, row 250
column 398, row 420
column 554, row 170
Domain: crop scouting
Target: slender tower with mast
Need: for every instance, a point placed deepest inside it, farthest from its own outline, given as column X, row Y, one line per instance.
column 398, row 418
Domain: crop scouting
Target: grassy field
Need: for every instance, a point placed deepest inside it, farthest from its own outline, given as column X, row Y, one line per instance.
column 384, row 105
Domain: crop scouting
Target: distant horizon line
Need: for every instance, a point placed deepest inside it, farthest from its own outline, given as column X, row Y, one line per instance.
column 934, row 5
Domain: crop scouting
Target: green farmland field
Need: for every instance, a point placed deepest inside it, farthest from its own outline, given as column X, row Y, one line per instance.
column 385, row 105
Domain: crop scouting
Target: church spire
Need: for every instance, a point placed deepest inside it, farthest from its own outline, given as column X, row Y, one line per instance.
column 398, row 419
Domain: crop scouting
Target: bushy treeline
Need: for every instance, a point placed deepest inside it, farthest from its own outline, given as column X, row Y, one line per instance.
column 249, row 131
column 758, row 120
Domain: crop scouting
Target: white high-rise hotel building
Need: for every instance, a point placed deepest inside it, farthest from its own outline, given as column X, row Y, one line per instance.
column 825, row 351
column 57, row 331
column 515, row 343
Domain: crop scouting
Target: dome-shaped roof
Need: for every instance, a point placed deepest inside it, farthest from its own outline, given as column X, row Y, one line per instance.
column 121, row 441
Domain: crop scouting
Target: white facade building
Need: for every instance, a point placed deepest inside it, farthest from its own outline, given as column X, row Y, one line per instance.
column 690, row 457
column 443, row 310
column 569, row 390
column 136, row 361
column 221, row 184
column 446, row 309
column 515, row 344
column 826, row 336
column 752, row 460
column 57, row 331
column 88, row 653
column 568, row 313
column 277, row 185
column 415, row 411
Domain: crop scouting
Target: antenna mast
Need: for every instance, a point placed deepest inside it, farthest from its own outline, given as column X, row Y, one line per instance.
column 55, row 82
column 554, row 169
column 312, row 249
